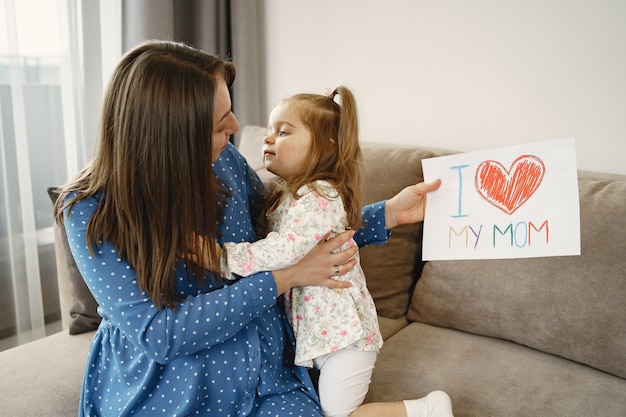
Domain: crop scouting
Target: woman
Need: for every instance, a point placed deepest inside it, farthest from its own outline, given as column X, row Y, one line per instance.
column 174, row 339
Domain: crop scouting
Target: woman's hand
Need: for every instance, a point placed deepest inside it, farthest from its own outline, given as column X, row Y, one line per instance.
column 409, row 205
column 320, row 265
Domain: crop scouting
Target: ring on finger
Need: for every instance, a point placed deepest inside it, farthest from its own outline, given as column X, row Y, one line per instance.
column 336, row 270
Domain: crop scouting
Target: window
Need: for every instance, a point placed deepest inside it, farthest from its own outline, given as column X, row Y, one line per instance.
column 51, row 65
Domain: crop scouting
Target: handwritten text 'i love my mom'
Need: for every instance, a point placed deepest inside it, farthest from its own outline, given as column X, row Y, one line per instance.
column 507, row 190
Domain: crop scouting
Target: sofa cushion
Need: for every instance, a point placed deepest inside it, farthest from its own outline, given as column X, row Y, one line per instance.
column 570, row 306
column 491, row 377
column 391, row 270
column 83, row 308
column 389, row 326
column 44, row 377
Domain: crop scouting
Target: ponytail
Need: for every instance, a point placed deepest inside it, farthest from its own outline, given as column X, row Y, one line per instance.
column 349, row 156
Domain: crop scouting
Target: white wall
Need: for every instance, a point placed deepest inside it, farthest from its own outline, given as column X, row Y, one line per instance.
column 462, row 75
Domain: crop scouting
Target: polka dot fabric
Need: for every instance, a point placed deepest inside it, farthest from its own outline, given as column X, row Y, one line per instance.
column 225, row 351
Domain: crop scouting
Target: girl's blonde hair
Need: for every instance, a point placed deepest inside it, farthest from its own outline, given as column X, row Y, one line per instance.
column 335, row 151
column 153, row 166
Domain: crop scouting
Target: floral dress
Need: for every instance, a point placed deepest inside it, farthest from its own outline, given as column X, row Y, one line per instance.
column 324, row 320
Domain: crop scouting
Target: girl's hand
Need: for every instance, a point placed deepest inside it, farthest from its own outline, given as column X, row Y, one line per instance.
column 204, row 259
column 320, row 265
column 409, row 205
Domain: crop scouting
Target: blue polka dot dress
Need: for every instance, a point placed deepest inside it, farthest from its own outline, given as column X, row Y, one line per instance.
column 225, row 351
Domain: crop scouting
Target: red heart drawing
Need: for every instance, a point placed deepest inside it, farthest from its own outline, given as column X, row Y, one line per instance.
column 509, row 189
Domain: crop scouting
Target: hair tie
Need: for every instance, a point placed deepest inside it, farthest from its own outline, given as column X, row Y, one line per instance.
column 330, row 93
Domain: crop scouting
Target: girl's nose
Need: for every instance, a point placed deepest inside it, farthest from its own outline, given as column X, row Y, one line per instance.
column 268, row 138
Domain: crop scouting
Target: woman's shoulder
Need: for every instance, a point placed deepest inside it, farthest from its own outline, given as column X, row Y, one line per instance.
column 231, row 156
column 232, row 165
column 83, row 207
column 88, row 200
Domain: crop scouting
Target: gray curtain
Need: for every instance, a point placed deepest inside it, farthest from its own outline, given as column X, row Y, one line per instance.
column 227, row 28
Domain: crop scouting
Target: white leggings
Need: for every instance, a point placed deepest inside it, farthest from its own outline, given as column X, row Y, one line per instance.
column 345, row 377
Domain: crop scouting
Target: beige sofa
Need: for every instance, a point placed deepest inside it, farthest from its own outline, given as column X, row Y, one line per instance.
column 531, row 337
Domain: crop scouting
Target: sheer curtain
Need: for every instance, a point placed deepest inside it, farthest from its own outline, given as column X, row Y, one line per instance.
column 55, row 57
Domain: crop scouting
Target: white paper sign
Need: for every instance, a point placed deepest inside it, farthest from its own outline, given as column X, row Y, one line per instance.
column 514, row 202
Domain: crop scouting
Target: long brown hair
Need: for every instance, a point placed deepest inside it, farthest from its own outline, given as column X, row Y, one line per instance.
column 153, row 165
column 335, row 151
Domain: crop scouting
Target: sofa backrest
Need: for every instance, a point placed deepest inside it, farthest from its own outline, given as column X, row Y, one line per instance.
column 391, row 270
column 571, row 306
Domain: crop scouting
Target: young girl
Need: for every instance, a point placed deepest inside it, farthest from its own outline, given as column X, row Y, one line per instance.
column 312, row 146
